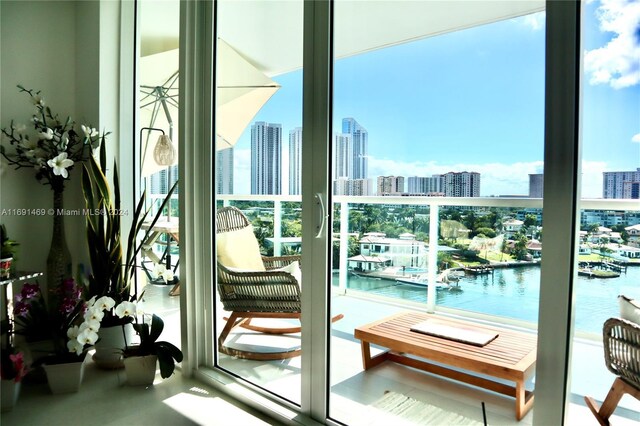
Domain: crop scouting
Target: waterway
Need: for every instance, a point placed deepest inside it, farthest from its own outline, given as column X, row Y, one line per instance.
column 514, row 293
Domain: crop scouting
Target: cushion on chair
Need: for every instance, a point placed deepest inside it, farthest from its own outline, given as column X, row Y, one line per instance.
column 629, row 309
column 293, row 268
column 239, row 249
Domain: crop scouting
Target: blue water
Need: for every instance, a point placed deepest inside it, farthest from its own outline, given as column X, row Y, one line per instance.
column 514, row 293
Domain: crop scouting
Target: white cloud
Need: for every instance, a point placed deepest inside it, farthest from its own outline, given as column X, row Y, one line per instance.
column 592, row 178
column 617, row 63
column 535, row 21
column 636, row 138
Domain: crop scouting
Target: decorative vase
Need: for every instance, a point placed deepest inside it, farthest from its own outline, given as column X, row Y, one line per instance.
column 59, row 259
column 64, row 378
column 110, row 345
column 5, row 267
column 140, row 370
column 9, row 396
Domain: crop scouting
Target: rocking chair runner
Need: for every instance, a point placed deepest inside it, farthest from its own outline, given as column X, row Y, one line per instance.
column 272, row 293
column 622, row 357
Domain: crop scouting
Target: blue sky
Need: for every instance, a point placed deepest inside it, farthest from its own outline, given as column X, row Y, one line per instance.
column 474, row 100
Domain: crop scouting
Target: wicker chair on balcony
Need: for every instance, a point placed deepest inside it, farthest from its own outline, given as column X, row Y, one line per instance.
column 622, row 357
column 271, row 291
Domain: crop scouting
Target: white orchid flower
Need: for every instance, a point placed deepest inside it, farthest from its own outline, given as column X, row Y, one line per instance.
column 47, row 134
column 91, row 302
column 105, row 303
column 158, row 270
column 92, row 325
column 59, row 165
column 89, row 132
column 72, row 332
column 87, row 337
column 75, row 346
column 94, row 314
column 167, row 275
column 126, row 309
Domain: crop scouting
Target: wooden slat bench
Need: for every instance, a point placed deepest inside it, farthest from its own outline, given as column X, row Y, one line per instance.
column 511, row 356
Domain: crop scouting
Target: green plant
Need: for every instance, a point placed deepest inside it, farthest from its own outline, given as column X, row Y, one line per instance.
column 111, row 272
column 167, row 353
column 7, row 246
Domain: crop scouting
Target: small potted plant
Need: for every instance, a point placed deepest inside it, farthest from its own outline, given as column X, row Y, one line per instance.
column 13, row 368
column 140, row 360
column 7, row 252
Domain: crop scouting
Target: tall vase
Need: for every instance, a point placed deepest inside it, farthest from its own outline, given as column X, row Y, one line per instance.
column 59, row 259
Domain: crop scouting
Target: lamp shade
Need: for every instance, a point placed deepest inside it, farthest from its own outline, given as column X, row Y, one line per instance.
column 164, row 153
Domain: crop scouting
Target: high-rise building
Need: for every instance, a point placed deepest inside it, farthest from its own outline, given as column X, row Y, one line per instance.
column 342, row 161
column 266, row 152
column 224, row 171
column 462, row 184
column 388, row 185
column 535, row 185
column 425, row 185
column 358, row 187
column 358, row 160
column 158, row 181
column 621, row 184
column 295, row 160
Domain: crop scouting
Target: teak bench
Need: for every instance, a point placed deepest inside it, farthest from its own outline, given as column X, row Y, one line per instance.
column 511, row 356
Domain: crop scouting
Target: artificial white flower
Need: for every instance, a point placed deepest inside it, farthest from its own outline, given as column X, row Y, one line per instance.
column 94, row 314
column 64, row 141
column 89, row 132
column 75, row 346
column 105, row 303
column 37, row 100
column 19, row 128
column 60, row 164
column 72, row 332
column 126, row 309
column 47, row 134
column 87, row 337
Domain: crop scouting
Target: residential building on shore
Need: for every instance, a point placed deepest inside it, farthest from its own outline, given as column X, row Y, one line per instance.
column 621, row 184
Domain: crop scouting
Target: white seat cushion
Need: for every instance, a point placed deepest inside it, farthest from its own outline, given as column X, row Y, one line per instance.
column 239, row 249
column 629, row 309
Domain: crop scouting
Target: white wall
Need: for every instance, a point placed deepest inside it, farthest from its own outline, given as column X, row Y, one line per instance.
column 69, row 50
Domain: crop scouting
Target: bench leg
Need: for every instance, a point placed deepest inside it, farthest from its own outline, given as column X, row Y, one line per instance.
column 524, row 400
column 367, row 361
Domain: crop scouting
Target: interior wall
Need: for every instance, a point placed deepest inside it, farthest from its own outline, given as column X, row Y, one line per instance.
column 55, row 47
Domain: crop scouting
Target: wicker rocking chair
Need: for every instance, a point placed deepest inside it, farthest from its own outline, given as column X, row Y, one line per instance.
column 622, row 357
column 247, row 295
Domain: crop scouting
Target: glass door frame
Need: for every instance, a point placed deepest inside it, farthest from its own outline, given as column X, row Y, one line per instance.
column 562, row 179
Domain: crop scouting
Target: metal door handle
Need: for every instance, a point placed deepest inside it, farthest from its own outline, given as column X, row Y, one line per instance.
column 322, row 218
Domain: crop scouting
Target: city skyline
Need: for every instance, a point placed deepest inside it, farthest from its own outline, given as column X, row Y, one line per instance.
column 424, row 119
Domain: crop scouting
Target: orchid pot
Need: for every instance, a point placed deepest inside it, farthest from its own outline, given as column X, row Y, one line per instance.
column 140, row 370
column 10, row 392
column 64, row 377
column 113, row 340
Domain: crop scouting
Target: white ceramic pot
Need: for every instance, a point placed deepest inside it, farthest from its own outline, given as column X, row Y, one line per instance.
column 140, row 370
column 110, row 345
column 9, row 396
column 64, row 378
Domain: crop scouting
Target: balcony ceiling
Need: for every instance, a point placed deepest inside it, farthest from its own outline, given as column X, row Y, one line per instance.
column 269, row 33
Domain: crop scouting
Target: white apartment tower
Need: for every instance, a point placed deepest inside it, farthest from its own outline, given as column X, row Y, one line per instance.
column 224, row 171
column 621, row 185
column 353, row 187
column 295, row 160
column 425, row 185
column 350, row 160
column 266, row 149
column 388, row 185
column 535, row 185
column 462, row 184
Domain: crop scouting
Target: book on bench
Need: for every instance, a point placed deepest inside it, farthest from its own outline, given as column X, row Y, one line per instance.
column 455, row 333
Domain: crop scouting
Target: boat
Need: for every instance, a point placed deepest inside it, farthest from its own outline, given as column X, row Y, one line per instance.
column 478, row 270
column 422, row 280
